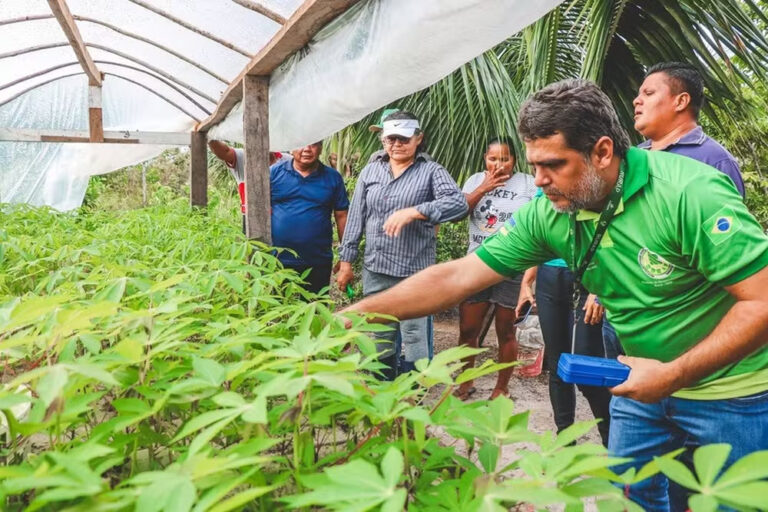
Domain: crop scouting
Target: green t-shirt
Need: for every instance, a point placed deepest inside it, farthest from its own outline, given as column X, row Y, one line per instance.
column 679, row 235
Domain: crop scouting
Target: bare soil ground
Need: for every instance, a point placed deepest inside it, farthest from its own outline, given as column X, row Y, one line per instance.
column 528, row 393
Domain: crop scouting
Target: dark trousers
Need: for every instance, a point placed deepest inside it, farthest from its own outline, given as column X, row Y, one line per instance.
column 319, row 276
column 553, row 298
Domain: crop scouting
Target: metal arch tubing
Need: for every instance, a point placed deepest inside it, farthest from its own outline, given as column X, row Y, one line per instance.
column 36, row 74
column 151, row 68
column 153, row 43
column 123, row 32
column 29, row 49
column 32, row 88
column 115, row 52
column 109, row 62
column 189, row 26
column 79, row 73
column 169, row 101
column 261, row 9
column 32, row 17
column 156, row 77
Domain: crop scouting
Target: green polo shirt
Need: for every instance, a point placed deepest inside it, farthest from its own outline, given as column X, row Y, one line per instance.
column 680, row 234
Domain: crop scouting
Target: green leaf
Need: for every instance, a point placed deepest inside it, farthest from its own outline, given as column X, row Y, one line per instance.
column 257, row 411
column 676, row 471
column 170, row 493
column 709, row 461
column 392, row 466
column 229, row 399
column 209, row 370
column 752, row 494
column 702, row 503
column 488, row 455
column 240, row 499
column 52, row 384
column 747, row 469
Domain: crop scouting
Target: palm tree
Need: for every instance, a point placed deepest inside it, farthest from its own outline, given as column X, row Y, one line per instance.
column 609, row 41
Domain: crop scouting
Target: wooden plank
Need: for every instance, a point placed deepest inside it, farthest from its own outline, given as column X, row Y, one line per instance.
column 95, row 123
column 110, row 137
column 64, row 17
column 198, row 169
column 294, row 35
column 258, row 219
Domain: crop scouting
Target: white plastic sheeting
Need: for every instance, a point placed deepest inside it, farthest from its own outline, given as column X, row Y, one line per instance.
column 380, row 50
column 377, row 52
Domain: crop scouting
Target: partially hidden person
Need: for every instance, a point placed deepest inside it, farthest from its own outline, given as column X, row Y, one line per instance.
column 399, row 199
column 493, row 196
column 305, row 194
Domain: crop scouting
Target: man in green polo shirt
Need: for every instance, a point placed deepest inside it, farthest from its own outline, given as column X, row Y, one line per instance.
column 682, row 268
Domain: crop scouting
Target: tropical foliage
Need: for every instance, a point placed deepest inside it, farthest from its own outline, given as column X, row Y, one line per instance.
column 609, row 41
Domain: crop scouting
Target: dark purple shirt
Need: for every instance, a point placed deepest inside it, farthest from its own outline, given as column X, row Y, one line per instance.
column 697, row 145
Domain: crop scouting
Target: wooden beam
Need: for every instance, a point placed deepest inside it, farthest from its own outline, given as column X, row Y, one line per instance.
column 261, row 9
column 64, row 17
column 95, row 121
column 110, row 137
column 258, row 219
column 308, row 19
column 198, row 169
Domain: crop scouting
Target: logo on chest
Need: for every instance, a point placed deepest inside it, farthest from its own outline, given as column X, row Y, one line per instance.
column 654, row 265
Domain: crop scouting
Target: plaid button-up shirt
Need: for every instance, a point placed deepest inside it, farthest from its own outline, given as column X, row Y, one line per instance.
column 425, row 185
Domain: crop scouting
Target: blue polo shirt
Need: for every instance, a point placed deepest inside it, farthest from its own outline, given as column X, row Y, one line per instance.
column 301, row 212
column 697, row 145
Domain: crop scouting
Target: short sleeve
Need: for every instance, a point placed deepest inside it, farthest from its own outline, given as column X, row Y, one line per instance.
column 341, row 199
column 721, row 239
column 730, row 167
column 472, row 183
column 238, row 170
column 518, row 245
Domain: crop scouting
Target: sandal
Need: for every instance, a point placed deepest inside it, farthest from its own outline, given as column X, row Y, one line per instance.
column 465, row 394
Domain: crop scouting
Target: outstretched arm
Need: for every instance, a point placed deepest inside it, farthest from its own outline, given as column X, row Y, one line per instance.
column 433, row 289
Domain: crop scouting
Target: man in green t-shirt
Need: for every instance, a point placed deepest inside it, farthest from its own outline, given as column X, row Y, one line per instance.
column 682, row 268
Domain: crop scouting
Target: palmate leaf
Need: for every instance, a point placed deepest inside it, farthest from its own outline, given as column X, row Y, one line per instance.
column 356, row 485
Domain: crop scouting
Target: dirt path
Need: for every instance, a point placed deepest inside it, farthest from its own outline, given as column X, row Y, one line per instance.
column 527, row 393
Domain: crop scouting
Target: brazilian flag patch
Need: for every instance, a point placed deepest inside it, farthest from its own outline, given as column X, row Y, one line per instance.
column 722, row 225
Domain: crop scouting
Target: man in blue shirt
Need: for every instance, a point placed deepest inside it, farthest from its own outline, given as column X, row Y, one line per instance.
column 667, row 112
column 304, row 194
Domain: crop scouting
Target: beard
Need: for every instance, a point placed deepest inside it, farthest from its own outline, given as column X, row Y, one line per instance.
column 589, row 190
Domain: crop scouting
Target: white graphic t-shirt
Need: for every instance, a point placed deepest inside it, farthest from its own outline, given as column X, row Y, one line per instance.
column 497, row 206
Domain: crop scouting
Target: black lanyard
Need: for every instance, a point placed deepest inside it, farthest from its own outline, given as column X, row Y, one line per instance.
column 614, row 198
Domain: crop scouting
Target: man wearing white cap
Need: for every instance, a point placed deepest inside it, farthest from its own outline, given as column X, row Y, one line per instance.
column 400, row 197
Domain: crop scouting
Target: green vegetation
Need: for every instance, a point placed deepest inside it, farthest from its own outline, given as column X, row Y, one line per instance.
column 156, row 360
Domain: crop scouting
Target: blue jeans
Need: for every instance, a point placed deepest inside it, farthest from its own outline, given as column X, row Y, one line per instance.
column 644, row 431
column 611, row 341
column 410, row 341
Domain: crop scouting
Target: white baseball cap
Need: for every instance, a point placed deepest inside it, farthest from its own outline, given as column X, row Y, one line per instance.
column 401, row 127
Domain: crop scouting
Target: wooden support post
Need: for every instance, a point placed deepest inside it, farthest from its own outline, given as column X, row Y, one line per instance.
column 198, row 170
column 258, row 218
column 95, row 121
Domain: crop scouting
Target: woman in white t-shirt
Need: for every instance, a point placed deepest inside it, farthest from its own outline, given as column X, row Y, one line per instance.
column 493, row 195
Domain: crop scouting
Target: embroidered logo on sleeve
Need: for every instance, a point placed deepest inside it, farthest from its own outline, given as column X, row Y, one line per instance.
column 722, row 225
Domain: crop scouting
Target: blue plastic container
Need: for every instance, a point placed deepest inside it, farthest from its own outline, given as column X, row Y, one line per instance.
column 591, row 371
